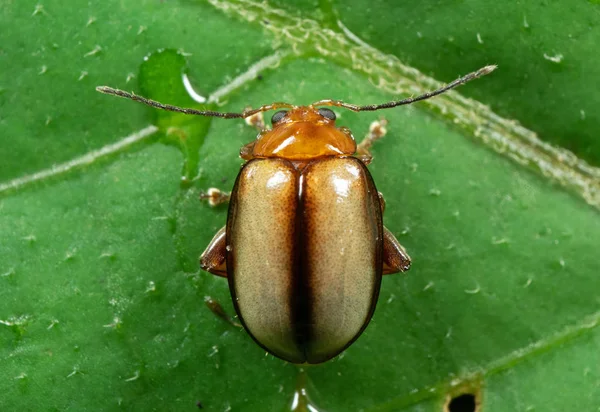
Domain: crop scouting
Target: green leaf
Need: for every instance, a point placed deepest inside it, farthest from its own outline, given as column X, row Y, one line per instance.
column 545, row 53
column 101, row 298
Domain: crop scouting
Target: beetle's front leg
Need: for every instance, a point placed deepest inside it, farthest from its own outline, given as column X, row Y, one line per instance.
column 376, row 131
column 215, row 197
column 257, row 121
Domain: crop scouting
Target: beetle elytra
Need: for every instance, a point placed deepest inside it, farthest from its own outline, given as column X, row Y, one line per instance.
column 304, row 247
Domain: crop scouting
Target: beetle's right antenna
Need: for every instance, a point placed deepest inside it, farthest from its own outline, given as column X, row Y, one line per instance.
column 171, row 108
column 460, row 81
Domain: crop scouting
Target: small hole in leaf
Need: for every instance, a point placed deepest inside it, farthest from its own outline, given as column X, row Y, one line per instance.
column 465, row 402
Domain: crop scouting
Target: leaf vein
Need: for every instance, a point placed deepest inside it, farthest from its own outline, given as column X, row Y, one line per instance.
column 388, row 73
column 78, row 162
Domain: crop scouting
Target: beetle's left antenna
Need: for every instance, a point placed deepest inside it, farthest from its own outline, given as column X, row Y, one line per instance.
column 171, row 108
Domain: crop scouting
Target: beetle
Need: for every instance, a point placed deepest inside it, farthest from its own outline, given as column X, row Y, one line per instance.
column 304, row 248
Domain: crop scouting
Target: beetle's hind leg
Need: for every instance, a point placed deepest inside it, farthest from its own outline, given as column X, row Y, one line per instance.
column 216, row 308
column 376, row 131
column 395, row 258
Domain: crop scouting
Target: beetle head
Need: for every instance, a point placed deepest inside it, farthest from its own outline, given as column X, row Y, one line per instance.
column 303, row 133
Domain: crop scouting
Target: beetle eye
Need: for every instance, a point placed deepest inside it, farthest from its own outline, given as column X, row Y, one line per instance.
column 326, row 113
column 278, row 116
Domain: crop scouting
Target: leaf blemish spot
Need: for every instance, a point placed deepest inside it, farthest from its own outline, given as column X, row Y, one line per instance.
column 115, row 324
column 39, row 9
column 499, row 241
column 93, row 52
column 473, row 291
column 214, row 351
column 108, row 255
column 135, row 376
column 30, row 238
column 75, row 371
column 70, row 255
column 557, row 58
column 428, row 286
column 21, row 376
column 466, row 402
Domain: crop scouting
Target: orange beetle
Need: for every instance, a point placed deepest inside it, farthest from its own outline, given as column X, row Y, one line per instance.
column 304, row 248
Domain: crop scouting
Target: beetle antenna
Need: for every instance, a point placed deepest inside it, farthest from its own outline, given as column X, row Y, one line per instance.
column 168, row 107
column 458, row 82
column 171, row 108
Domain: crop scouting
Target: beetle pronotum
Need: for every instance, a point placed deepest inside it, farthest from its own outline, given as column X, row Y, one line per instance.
column 304, row 248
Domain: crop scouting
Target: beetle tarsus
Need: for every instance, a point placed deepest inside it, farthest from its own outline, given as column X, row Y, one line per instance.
column 377, row 130
column 215, row 197
column 216, row 308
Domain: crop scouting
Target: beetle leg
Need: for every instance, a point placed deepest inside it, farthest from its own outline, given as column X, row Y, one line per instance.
column 381, row 202
column 215, row 196
column 257, row 121
column 395, row 258
column 376, row 131
column 214, row 258
column 216, row 308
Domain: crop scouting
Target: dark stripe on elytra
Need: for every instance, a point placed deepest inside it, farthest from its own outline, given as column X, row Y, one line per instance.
column 231, row 265
column 301, row 296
